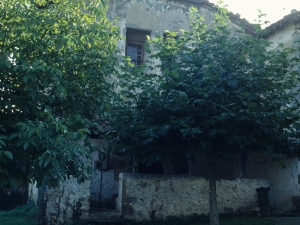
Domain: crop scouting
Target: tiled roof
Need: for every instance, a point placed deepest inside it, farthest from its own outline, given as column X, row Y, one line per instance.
column 293, row 17
column 235, row 18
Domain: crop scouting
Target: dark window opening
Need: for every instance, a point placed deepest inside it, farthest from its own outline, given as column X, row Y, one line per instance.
column 135, row 40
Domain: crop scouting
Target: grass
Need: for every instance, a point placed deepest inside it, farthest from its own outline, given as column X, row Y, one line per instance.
column 248, row 221
column 26, row 215
column 21, row 215
column 203, row 220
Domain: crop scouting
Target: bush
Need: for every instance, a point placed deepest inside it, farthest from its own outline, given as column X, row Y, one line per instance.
column 11, row 198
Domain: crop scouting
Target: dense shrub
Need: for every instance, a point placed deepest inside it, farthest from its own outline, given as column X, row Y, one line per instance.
column 11, row 198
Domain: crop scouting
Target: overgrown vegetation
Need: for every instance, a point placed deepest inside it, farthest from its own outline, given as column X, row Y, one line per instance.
column 25, row 215
column 11, row 198
column 54, row 57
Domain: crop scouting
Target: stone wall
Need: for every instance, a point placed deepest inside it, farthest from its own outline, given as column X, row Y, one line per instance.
column 142, row 195
column 69, row 201
column 59, row 205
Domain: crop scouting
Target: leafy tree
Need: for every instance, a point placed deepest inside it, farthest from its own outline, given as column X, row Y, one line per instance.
column 215, row 91
column 54, row 57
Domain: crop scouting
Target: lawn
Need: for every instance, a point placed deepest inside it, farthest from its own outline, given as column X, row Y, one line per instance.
column 25, row 215
column 203, row 220
column 22, row 215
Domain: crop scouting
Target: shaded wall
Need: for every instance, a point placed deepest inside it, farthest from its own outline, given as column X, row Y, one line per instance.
column 104, row 181
column 282, row 176
column 284, row 183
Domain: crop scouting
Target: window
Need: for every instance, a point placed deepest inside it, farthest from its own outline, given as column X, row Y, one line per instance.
column 135, row 40
column 135, row 51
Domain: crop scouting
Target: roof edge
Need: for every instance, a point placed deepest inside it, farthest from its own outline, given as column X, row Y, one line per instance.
column 235, row 18
column 294, row 17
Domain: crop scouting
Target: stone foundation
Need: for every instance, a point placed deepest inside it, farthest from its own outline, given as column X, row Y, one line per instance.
column 68, row 201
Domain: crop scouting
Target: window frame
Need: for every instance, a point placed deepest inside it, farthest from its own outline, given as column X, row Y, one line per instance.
column 136, row 61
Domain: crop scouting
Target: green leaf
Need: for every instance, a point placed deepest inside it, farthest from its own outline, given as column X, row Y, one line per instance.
column 2, row 143
column 48, row 160
column 25, row 79
column 41, row 162
column 7, row 64
column 26, row 145
column 48, row 109
column 13, row 183
column 31, row 133
column 8, row 154
column 13, row 136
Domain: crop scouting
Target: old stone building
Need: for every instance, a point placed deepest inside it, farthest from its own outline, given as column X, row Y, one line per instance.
column 136, row 195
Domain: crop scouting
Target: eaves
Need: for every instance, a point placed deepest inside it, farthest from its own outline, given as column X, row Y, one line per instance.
column 294, row 18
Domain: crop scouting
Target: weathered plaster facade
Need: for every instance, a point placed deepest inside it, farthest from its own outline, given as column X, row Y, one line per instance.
column 157, row 16
column 141, row 194
column 282, row 177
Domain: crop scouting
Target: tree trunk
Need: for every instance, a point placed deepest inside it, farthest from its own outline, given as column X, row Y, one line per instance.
column 192, row 165
column 134, row 165
column 244, row 165
column 41, row 205
column 167, row 165
column 213, row 206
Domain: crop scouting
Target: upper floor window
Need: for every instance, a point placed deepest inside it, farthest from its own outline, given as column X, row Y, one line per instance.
column 135, row 40
column 136, row 52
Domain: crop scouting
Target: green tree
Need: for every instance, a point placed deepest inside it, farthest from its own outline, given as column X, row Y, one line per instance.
column 215, row 91
column 54, row 59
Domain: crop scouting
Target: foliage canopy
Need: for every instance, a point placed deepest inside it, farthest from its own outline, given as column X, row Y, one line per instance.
column 214, row 89
column 54, row 57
